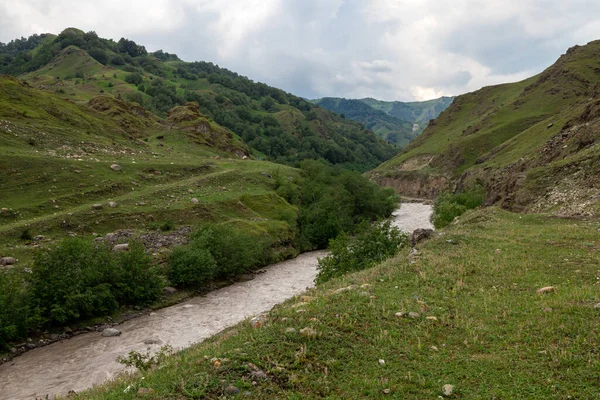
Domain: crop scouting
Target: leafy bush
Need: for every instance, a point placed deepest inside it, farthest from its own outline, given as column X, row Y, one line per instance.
column 191, row 266
column 334, row 200
column 371, row 245
column 138, row 282
column 235, row 251
column 17, row 318
column 78, row 279
column 448, row 206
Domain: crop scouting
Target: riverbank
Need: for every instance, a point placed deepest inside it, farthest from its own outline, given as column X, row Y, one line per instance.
column 497, row 305
column 91, row 358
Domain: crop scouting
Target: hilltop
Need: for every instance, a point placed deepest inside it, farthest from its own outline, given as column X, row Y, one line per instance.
column 395, row 121
column 275, row 125
column 533, row 144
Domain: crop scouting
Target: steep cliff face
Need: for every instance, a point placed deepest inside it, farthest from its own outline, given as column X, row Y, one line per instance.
column 535, row 144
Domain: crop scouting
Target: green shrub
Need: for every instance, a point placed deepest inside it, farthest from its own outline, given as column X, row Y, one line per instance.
column 191, row 266
column 138, row 282
column 371, row 245
column 448, row 206
column 71, row 281
column 235, row 251
column 334, row 200
column 78, row 279
column 17, row 317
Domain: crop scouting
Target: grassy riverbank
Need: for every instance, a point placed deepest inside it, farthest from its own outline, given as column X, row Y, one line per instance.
column 493, row 335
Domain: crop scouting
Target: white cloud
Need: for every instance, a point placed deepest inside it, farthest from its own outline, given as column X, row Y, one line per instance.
column 389, row 49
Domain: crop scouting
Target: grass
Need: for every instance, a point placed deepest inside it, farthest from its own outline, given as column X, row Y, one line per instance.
column 493, row 336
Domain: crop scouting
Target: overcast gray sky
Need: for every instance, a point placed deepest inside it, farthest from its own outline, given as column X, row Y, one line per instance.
column 387, row 49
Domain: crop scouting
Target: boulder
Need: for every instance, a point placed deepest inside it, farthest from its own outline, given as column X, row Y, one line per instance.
column 111, row 332
column 419, row 235
column 121, row 247
column 8, row 261
column 115, row 167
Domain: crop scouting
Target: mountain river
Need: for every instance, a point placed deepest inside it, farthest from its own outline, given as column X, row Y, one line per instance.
column 90, row 359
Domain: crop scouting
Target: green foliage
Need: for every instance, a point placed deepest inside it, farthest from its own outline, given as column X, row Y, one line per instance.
column 134, row 78
column 334, row 200
column 191, row 266
column 78, row 279
column 17, row 317
column 371, row 245
column 144, row 361
column 235, row 251
column 448, row 205
column 137, row 280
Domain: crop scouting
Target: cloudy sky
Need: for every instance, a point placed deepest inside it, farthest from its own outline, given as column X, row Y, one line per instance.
column 387, row 49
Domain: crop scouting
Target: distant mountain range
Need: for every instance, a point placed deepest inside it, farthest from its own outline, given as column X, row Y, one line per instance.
column 395, row 121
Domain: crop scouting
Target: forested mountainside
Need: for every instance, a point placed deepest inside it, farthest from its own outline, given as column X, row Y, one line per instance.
column 396, row 122
column 533, row 144
column 274, row 124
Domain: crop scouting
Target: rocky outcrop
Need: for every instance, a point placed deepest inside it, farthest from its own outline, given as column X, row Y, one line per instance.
column 416, row 185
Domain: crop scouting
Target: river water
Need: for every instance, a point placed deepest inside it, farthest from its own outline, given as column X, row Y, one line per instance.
column 90, row 359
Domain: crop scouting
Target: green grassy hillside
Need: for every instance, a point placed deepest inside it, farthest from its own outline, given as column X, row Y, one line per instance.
column 276, row 125
column 480, row 325
column 533, row 144
column 57, row 157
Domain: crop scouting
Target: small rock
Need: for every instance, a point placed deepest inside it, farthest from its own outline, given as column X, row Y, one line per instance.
column 37, row 238
column 231, row 390
column 386, row 391
column 597, row 305
column 259, row 375
column 498, row 251
column 550, row 125
column 546, row 289
column 345, row 289
column 8, row 261
column 145, row 392
column 121, row 247
column 447, row 390
column 419, row 235
column 290, row 330
column 434, row 348
column 111, row 332
column 190, row 191
column 400, row 314
column 258, row 321
column 266, row 175
column 381, row 361
column 308, row 332
column 432, row 318
column 97, row 206
column 413, row 315
column 112, row 204
column 195, row 201
column 115, row 167
column 169, row 290
column 152, row 341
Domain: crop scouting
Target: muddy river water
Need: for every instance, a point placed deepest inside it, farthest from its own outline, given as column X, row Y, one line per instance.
column 90, row 359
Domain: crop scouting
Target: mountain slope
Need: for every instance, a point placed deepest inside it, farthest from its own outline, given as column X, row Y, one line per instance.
column 396, row 122
column 389, row 128
column 275, row 124
column 533, row 144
